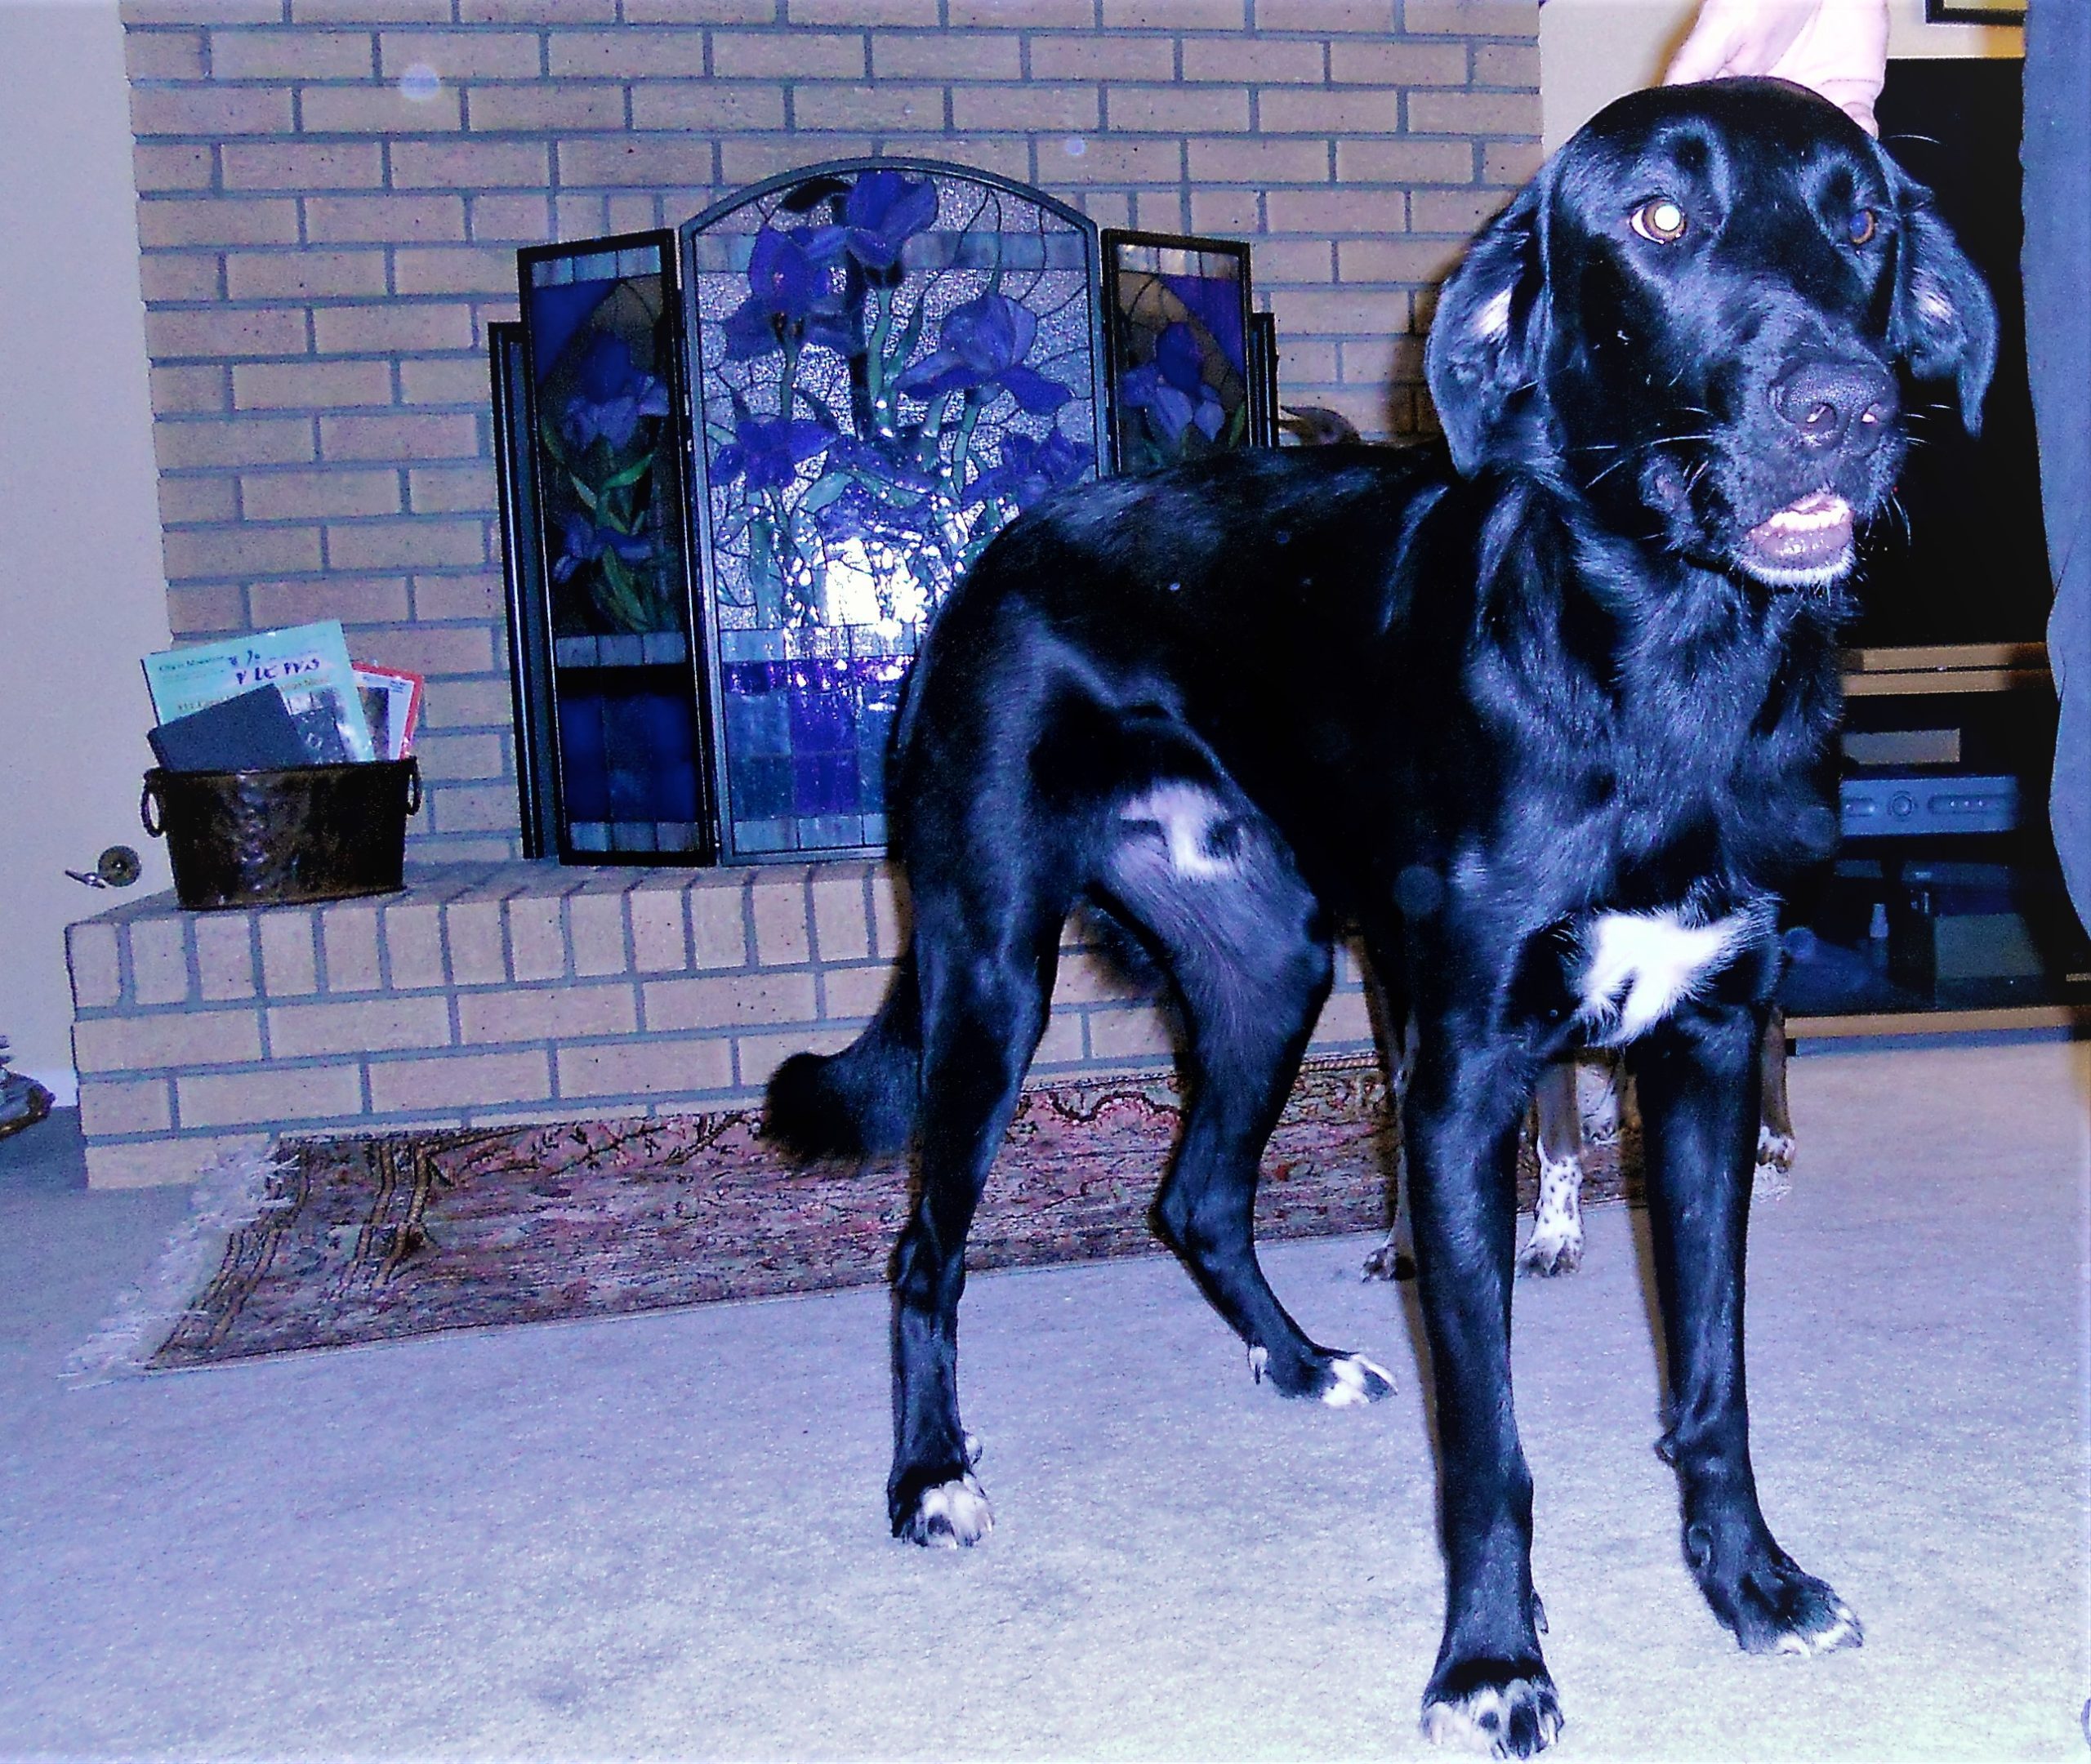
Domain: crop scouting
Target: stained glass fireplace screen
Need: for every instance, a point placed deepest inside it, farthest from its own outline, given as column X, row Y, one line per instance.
column 890, row 358
column 602, row 331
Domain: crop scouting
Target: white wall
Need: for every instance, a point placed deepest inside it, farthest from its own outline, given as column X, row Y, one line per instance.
column 82, row 591
column 1592, row 51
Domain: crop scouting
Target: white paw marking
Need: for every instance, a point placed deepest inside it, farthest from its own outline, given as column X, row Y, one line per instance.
column 1353, row 1375
column 952, row 1515
column 1842, row 1628
column 1642, row 966
column 1187, row 816
column 1259, row 1358
column 1479, row 1720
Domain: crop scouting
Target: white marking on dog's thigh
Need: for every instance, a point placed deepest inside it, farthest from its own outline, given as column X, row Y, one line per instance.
column 1186, row 816
column 1642, row 966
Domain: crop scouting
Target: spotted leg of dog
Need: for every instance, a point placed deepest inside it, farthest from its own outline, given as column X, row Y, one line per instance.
column 1556, row 1244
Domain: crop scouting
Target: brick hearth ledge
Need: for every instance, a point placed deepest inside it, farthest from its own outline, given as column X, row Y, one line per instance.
column 493, row 993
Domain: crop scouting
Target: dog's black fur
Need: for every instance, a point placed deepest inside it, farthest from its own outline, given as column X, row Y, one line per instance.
column 1475, row 699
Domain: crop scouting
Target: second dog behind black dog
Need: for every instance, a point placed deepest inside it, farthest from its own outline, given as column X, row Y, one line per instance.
column 1542, row 712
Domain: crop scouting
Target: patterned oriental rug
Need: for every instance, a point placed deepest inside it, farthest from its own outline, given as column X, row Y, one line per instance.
column 367, row 1240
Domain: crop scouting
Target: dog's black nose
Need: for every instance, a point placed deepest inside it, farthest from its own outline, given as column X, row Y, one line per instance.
column 1834, row 403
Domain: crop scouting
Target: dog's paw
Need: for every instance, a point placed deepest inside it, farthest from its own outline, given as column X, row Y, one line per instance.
column 1388, row 1263
column 1775, row 1163
column 1353, row 1381
column 953, row 1515
column 1505, row 1709
column 1552, row 1253
column 1342, row 1381
column 1772, row 1607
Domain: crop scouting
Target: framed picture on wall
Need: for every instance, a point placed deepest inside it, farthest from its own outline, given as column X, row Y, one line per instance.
column 1974, row 11
column 1177, row 323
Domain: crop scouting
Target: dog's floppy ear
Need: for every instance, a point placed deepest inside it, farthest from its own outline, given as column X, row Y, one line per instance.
column 1944, row 322
column 1488, row 338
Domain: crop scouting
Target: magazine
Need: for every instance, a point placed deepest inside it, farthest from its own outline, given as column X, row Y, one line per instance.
column 308, row 664
column 392, row 707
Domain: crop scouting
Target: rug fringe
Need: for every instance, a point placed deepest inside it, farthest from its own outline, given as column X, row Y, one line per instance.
column 231, row 1193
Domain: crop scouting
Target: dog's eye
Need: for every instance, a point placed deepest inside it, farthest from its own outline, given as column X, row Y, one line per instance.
column 1865, row 224
column 1660, row 219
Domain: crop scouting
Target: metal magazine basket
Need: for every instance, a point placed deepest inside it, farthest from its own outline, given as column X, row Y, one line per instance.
column 271, row 839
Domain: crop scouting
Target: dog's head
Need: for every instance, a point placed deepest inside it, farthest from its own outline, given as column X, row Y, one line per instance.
column 1699, row 315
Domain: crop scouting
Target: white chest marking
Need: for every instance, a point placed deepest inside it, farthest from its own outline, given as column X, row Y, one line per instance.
column 1642, row 966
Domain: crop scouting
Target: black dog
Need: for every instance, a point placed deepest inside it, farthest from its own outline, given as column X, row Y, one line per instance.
column 1544, row 712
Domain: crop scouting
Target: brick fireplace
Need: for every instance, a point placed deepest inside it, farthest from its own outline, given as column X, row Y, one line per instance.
column 330, row 195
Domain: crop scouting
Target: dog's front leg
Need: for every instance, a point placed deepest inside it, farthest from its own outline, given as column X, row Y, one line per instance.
column 1697, row 1077
column 1466, row 1102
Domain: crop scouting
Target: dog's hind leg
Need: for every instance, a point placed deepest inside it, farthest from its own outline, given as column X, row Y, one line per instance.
column 1212, row 884
column 1556, row 1244
column 1395, row 1259
column 984, row 958
column 1776, row 1145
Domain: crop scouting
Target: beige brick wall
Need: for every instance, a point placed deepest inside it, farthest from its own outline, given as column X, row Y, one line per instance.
column 512, row 992
column 322, row 252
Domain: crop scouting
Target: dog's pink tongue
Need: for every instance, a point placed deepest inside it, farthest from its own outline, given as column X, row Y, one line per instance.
column 1815, row 530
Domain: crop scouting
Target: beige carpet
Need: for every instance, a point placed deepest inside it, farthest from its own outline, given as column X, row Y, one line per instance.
column 661, row 1536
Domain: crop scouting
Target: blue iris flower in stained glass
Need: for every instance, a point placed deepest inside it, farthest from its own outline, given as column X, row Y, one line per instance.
column 790, row 295
column 584, row 543
column 981, row 346
column 884, row 210
column 1215, row 302
column 768, row 451
column 612, row 393
column 1031, row 470
column 1172, row 387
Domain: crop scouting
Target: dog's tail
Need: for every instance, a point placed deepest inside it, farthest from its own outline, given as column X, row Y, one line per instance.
column 858, row 1104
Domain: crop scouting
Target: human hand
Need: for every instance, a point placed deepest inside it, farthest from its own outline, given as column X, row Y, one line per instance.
column 1836, row 47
